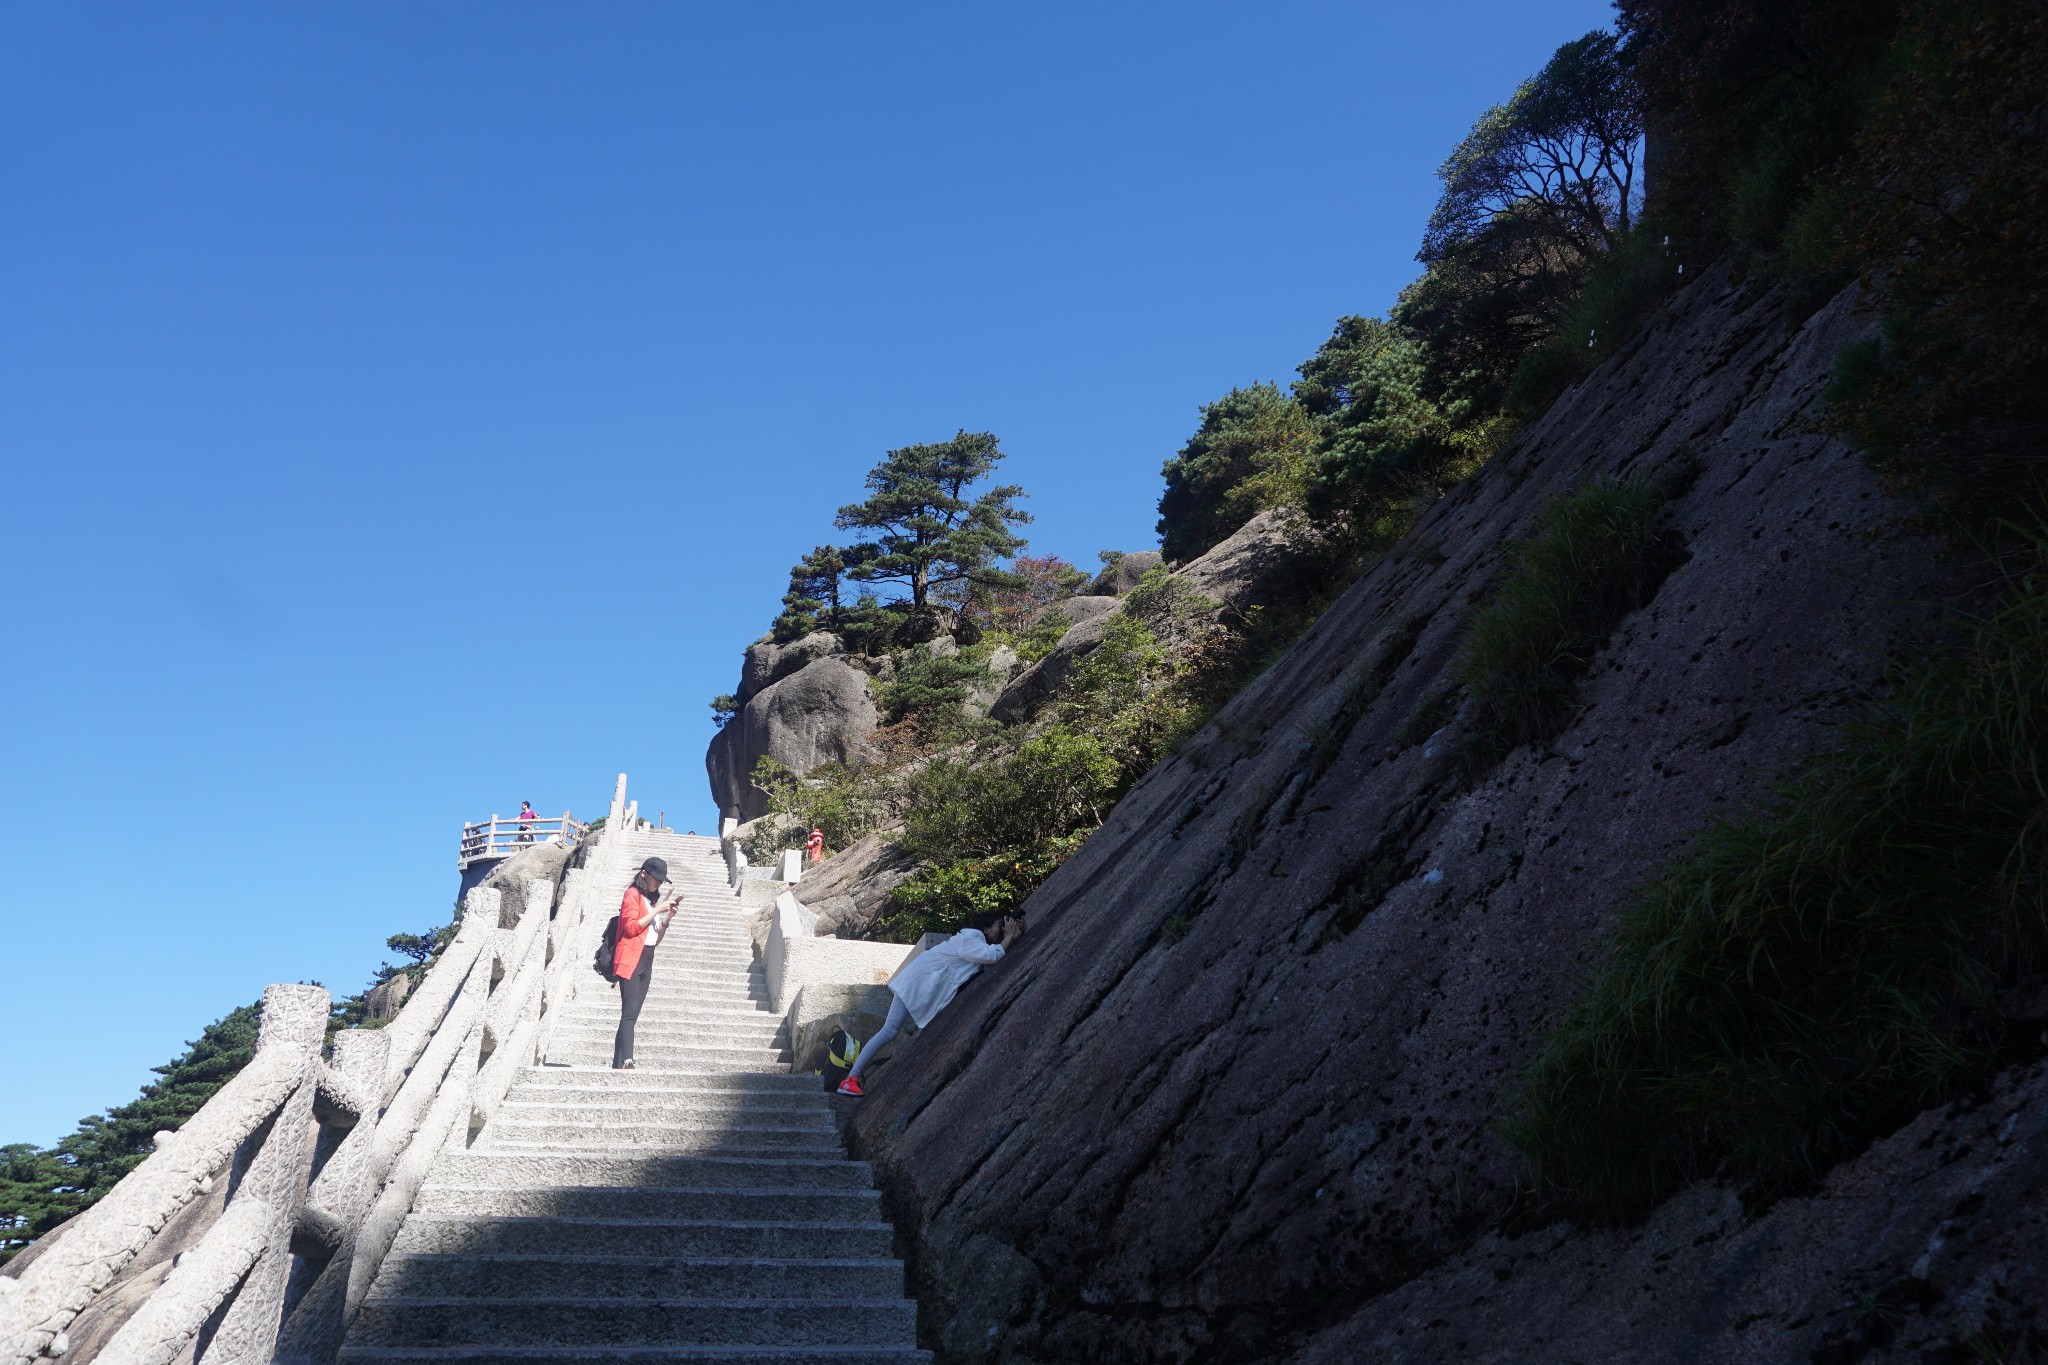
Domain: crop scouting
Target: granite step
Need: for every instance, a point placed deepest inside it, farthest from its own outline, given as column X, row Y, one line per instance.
column 505, row 1275
column 425, row 1233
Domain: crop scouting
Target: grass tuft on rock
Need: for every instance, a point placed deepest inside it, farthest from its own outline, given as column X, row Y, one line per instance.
column 1815, row 973
column 1597, row 555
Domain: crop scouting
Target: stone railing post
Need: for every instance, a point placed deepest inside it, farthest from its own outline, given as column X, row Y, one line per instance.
column 337, row 1200
column 274, row 1173
column 616, row 812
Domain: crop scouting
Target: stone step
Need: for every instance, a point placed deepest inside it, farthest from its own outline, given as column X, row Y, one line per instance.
column 681, row 1106
column 622, row 1085
column 535, row 1320
column 666, row 1203
column 560, row 1170
column 756, row 1024
column 674, row 1138
column 600, row 1054
column 501, row 1275
column 639, row 1355
column 434, row 1232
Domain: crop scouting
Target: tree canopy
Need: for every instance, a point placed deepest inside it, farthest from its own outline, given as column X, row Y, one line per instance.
column 1250, row 453
column 928, row 532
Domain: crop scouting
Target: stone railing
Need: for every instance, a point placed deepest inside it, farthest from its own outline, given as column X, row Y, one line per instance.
column 756, row 886
column 501, row 838
column 321, row 1159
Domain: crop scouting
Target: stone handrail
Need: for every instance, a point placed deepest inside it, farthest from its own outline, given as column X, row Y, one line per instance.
column 323, row 1158
column 502, row 837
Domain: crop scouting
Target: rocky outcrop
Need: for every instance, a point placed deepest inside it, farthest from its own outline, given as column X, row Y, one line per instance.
column 1250, row 568
column 1121, row 574
column 767, row 663
column 1239, row 1082
column 848, row 890
column 821, row 713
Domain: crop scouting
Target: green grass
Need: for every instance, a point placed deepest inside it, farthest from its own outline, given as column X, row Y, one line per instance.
column 1597, row 555
column 1817, row 972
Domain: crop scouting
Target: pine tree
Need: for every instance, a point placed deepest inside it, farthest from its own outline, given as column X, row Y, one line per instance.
column 930, row 534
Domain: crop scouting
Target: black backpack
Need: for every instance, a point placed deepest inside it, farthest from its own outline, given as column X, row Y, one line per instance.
column 608, row 951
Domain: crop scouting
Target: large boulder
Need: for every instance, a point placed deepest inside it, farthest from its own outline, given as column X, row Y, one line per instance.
column 1252, row 566
column 1121, row 574
column 1038, row 684
column 768, row 663
column 848, row 890
column 821, row 713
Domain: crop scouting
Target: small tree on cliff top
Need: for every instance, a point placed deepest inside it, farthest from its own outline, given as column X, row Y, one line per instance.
column 929, row 534
column 813, row 596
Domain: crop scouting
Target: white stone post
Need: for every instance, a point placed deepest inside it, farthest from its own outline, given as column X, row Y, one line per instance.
column 341, row 1191
column 790, row 866
column 273, row 1169
column 617, row 811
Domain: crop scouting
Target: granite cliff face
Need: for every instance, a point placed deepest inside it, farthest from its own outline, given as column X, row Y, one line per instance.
column 1238, row 1085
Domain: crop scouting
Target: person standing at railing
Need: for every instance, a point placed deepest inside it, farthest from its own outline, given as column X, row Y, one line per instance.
column 643, row 915
column 527, row 820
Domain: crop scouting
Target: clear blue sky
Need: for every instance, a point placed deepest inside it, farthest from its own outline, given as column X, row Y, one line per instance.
column 407, row 409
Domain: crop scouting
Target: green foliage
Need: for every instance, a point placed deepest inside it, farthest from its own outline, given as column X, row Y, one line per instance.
column 929, row 533
column 1596, row 556
column 841, row 802
column 40, row 1189
column 1950, row 191
column 943, row 899
column 724, row 707
column 1049, row 786
column 928, row 685
column 1541, row 188
column 1250, row 453
column 1816, row 972
column 812, row 602
column 1622, row 287
column 1563, row 149
column 1382, row 441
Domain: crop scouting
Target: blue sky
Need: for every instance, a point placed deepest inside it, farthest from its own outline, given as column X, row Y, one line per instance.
column 411, row 409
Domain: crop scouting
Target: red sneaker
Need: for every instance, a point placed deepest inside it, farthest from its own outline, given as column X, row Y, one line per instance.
column 851, row 1086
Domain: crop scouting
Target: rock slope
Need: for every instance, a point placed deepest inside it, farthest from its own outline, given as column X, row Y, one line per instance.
column 1240, row 1080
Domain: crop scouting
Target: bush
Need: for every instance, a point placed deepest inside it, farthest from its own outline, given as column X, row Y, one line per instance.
column 1622, row 288
column 1816, row 973
column 959, row 808
column 1595, row 557
column 927, row 685
column 942, row 899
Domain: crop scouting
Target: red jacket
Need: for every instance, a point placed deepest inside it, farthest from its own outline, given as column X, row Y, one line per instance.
column 632, row 933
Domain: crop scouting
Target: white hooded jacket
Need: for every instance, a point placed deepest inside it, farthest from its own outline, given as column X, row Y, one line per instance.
column 927, row 983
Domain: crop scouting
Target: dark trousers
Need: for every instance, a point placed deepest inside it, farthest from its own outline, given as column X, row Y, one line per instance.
column 632, row 995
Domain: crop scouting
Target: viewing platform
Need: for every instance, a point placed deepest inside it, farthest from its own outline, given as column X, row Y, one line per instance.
column 500, row 837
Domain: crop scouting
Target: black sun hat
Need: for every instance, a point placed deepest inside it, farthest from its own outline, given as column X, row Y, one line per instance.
column 656, row 868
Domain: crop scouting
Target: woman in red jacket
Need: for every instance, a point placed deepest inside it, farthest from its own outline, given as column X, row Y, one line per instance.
column 642, row 917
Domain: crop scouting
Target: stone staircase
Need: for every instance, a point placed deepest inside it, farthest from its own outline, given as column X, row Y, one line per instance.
column 699, row 1208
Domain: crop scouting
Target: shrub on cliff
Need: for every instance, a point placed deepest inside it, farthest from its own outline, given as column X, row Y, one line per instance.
column 1816, row 972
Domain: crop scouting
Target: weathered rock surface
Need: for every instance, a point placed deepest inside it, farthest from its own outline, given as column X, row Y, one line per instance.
column 767, row 662
column 1122, row 575
column 1079, row 610
column 849, row 889
column 822, row 713
column 1932, row 1246
column 381, row 1003
column 1249, row 567
column 1037, row 684
column 1201, row 1111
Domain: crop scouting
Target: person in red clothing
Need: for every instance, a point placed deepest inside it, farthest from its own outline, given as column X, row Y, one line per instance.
column 643, row 914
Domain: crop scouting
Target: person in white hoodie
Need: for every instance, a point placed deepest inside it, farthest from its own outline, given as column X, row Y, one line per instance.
column 928, row 984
